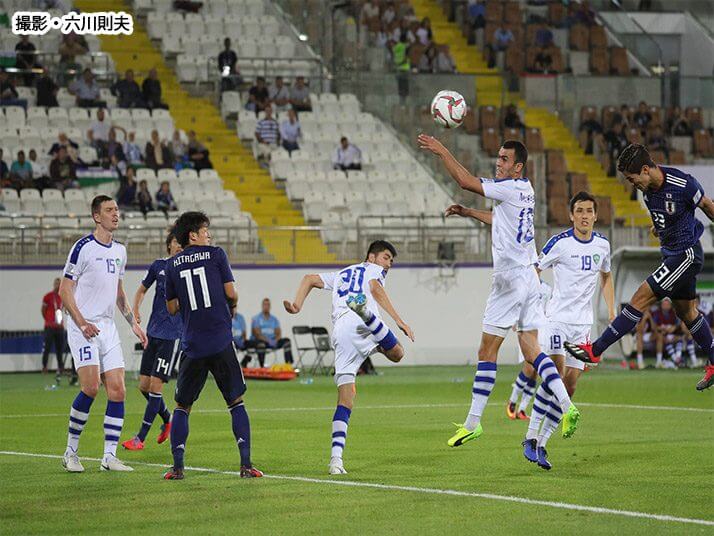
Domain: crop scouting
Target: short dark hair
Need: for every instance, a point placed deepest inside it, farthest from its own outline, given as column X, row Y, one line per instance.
column 97, row 203
column 378, row 246
column 169, row 238
column 582, row 196
column 520, row 150
column 189, row 222
column 633, row 158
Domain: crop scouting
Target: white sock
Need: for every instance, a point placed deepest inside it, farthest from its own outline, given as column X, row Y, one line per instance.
column 640, row 360
column 659, row 358
column 484, row 381
column 546, row 431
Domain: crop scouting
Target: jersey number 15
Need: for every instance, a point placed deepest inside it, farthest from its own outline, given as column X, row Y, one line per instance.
column 187, row 275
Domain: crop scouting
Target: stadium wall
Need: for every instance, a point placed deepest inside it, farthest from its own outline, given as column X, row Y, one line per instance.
column 445, row 313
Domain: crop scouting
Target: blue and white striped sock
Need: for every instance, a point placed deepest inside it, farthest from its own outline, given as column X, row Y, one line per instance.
column 527, row 395
column 551, row 379
column 78, row 415
column 541, row 403
column 518, row 386
column 381, row 332
column 484, row 380
column 340, row 420
column 113, row 423
column 552, row 418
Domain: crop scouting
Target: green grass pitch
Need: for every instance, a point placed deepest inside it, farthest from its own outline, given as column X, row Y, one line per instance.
column 657, row 462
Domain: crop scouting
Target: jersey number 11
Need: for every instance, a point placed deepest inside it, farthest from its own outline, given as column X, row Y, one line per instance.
column 187, row 275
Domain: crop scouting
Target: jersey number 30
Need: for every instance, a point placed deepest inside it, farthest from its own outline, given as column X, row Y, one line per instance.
column 187, row 275
column 353, row 278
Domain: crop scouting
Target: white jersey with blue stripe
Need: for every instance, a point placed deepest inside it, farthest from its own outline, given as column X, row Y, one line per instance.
column 351, row 281
column 512, row 229
column 576, row 265
column 97, row 269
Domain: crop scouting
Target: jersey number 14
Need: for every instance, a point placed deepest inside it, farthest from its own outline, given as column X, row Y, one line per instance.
column 187, row 275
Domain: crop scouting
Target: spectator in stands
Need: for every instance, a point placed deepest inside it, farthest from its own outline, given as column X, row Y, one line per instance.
column 197, row 153
column 279, row 95
column 444, row 62
column 427, row 61
column 64, row 141
column 290, row 132
column 300, row 95
column 86, row 91
column 267, row 334
column 258, row 96
column 156, row 154
column 476, row 14
column 580, row 13
column 63, row 171
column 623, row 116
column 502, row 39
column 389, row 14
column 151, row 90
column 228, row 67
column 119, row 167
column 642, row 117
column 114, row 148
column 381, row 40
column 128, row 92
column 424, row 34
column 543, row 61
column 132, row 151
column 403, row 29
column 4, row 170
column 400, row 57
column 71, row 45
column 8, row 92
column 179, row 149
column 164, row 198
column 47, row 90
column 656, row 141
column 678, row 124
column 21, row 172
column 126, row 197
column 511, row 119
column 143, row 198
column 590, row 130
column 98, row 133
column 544, row 37
column 40, row 171
column 616, row 140
column 369, row 16
column 239, row 330
column 267, row 134
column 25, row 57
column 54, row 334
column 347, row 156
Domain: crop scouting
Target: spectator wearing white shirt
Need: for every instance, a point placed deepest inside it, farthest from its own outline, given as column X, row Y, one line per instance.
column 40, row 170
column 300, row 95
column 347, row 156
column 279, row 95
column 86, row 91
column 423, row 33
column 444, row 61
column 98, row 133
column 389, row 14
column 267, row 134
column 290, row 132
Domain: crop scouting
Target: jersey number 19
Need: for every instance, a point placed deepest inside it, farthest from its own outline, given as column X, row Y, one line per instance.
column 187, row 275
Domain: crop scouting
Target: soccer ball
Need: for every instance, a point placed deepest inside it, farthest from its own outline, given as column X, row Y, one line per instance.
column 448, row 109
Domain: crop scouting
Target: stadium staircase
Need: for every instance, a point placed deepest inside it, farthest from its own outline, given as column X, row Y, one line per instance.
column 234, row 163
column 469, row 59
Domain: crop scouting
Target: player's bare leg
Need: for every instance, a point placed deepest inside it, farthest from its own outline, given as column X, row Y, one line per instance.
column 395, row 354
column 700, row 331
column 113, row 381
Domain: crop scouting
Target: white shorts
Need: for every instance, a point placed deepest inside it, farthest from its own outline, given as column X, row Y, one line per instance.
column 556, row 333
column 514, row 300
column 103, row 350
column 353, row 343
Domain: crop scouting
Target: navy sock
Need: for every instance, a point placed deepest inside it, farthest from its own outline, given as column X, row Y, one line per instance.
column 241, row 431
column 152, row 408
column 164, row 412
column 702, row 333
column 179, row 434
column 623, row 324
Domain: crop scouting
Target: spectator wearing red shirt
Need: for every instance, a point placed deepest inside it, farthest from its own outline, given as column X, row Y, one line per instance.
column 54, row 330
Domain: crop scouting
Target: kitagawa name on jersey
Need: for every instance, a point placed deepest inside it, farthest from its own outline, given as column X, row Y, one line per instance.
column 193, row 257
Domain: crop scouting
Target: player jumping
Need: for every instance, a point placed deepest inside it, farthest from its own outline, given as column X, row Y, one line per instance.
column 91, row 287
column 672, row 197
column 199, row 284
column 514, row 296
column 159, row 357
column 578, row 256
column 359, row 287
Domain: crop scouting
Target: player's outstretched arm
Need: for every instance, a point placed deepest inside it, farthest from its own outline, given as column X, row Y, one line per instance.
column 484, row 216
column 66, row 292
column 138, row 300
column 707, row 206
column 380, row 296
column 308, row 283
column 608, row 293
column 125, row 309
column 458, row 172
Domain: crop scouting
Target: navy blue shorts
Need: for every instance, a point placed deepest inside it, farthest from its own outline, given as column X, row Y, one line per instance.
column 676, row 277
column 159, row 358
column 226, row 371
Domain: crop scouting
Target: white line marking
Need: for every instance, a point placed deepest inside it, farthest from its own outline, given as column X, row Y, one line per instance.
column 385, row 406
column 414, row 489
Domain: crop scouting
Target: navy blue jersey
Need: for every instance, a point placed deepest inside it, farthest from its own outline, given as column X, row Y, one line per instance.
column 161, row 324
column 196, row 277
column 672, row 209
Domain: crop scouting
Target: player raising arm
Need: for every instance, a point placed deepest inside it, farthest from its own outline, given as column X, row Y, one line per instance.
column 359, row 288
column 672, row 197
column 91, row 288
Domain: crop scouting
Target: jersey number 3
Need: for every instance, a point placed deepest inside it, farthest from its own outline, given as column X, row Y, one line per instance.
column 187, row 275
column 353, row 278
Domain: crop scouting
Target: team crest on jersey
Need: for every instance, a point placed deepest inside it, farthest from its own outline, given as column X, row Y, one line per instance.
column 118, row 261
column 596, row 258
column 670, row 207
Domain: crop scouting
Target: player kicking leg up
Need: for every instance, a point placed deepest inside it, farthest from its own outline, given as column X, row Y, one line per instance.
column 200, row 285
column 672, row 198
column 514, row 298
column 159, row 357
column 358, row 288
column 91, row 287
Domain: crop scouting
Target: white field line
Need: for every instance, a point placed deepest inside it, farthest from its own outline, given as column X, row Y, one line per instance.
column 414, row 489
